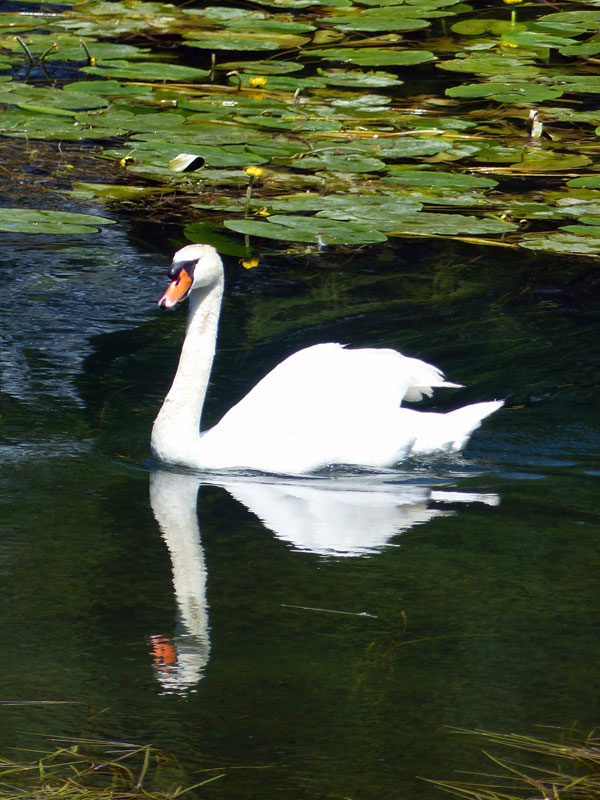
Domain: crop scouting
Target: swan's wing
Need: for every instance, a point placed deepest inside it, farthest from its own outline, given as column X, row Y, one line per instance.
column 317, row 402
column 328, row 378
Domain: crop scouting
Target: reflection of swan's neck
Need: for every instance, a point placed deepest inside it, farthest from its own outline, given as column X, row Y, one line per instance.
column 176, row 429
column 173, row 501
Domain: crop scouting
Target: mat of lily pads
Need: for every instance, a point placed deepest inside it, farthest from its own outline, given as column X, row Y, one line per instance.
column 298, row 123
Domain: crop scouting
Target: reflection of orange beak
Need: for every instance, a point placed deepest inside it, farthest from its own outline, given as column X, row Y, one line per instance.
column 164, row 653
column 176, row 290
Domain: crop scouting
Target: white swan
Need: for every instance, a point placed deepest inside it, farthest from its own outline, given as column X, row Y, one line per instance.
column 323, row 405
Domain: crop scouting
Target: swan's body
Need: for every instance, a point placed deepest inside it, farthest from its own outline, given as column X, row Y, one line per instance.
column 323, row 405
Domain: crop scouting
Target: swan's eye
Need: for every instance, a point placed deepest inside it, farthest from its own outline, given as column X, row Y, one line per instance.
column 177, row 267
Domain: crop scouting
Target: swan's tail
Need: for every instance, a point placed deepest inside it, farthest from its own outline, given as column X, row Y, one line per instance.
column 450, row 432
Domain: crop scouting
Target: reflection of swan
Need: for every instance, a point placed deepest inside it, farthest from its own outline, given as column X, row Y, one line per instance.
column 349, row 516
column 354, row 515
column 180, row 664
column 323, row 405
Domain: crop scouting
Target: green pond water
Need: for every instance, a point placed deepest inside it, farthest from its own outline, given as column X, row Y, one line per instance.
column 303, row 639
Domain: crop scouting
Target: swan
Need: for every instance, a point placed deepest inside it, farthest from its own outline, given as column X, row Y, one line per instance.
column 324, row 405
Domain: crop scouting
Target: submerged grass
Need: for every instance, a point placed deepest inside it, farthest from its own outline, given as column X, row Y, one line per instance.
column 89, row 769
column 568, row 770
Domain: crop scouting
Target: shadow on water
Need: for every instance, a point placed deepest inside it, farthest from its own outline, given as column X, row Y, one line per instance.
column 287, row 634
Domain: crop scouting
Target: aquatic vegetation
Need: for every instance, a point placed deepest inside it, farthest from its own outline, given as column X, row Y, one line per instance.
column 569, row 768
column 90, row 769
column 361, row 106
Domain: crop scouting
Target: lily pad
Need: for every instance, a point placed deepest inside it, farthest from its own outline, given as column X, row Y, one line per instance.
column 506, row 93
column 537, row 40
column 358, row 79
column 562, row 242
column 446, row 180
column 308, row 229
column 262, row 67
column 147, row 71
column 477, row 27
column 26, row 220
column 376, row 57
column 484, row 64
column 348, row 162
column 231, row 39
column 428, row 223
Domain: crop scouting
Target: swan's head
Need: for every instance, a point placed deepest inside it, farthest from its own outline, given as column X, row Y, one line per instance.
column 195, row 266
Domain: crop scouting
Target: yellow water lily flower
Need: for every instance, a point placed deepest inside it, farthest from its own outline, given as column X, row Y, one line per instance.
column 257, row 80
column 253, row 172
column 249, row 263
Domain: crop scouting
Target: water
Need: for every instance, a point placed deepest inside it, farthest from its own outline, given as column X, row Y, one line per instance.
column 303, row 639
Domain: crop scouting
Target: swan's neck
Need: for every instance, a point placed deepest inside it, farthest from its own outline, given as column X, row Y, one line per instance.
column 176, row 431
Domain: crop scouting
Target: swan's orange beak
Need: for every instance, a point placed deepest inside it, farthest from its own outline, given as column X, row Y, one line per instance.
column 176, row 291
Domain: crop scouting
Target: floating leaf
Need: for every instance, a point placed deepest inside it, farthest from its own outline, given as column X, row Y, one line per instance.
column 579, row 83
column 147, row 71
column 308, row 229
column 477, row 27
column 26, row 220
column 588, row 20
column 349, row 162
column 427, row 223
column 377, row 19
column 358, row 79
column 262, row 67
column 561, row 242
column 375, row 56
column 587, row 49
column 447, row 180
column 506, row 93
column 241, row 40
column 585, row 182
column 537, row 40
column 484, row 64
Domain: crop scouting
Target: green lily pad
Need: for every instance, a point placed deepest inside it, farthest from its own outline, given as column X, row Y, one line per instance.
column 561, row 242
column 347, row 162
column 308, row 229
column 262, row 67
column 477, row 27
column 115, row 192
column 377, row 19
column 446, row 180
column 585, row 182
column 376, row 57
column 484, row 64
column 506, row 93
column 588, row 20
column 585, row 230
column 587, row 49
column 26, row 220
column 154, row 150
column 358, row 79
column 579, row 83
column 428, row 223
column 147, row 71
column 537, row 40
column 240, row 40
column 345, row 206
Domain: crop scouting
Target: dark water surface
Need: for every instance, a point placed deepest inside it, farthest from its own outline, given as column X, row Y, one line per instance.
column 328, row 651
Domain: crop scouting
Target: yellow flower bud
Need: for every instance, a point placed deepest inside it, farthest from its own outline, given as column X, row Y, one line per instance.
column 257, row 80
column 249, row 263
column 253, row 172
